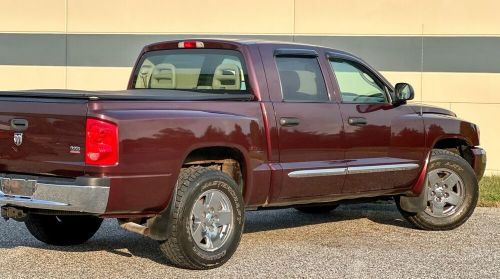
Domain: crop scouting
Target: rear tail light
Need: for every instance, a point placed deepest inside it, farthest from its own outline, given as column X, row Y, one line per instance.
column 190, row 44
column 101, row 143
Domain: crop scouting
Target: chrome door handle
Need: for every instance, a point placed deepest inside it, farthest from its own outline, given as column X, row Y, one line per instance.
column 357, row 121
column 289, row 121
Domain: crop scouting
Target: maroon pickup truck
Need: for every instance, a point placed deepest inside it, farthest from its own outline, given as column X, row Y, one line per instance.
column 210, row 128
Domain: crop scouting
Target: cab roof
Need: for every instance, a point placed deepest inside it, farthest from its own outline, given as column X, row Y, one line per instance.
column 232, row 43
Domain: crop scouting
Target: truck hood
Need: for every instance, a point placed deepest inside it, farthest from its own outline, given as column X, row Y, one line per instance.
column 429, row 109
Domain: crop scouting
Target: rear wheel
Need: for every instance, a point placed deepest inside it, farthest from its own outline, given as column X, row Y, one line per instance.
column 207, row 219
column 317, row 209
column 62, row 230
column 452, row 193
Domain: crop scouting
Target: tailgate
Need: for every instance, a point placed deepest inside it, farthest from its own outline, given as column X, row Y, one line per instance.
column 42, row 136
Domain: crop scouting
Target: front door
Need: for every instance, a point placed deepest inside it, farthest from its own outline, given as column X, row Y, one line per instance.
column 383, row 142
column 309, row 126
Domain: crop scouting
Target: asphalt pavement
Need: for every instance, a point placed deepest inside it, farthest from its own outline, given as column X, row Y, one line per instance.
column 354, row 241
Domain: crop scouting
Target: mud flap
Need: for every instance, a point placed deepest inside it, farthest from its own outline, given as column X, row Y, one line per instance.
column 414, row 204
column 159, row 227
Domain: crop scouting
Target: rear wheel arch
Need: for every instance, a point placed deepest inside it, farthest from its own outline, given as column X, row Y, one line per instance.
column 229, row 160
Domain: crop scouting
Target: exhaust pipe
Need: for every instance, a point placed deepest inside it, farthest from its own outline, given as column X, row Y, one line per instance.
column 134, row 227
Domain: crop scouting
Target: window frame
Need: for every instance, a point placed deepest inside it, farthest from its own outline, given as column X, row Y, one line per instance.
column 300, row 53
column 388, row 88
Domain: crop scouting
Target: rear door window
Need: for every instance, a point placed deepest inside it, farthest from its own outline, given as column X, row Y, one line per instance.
column 301, row 79
column 192, row 69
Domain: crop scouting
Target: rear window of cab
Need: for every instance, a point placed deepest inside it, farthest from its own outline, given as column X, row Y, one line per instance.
column 211, row 70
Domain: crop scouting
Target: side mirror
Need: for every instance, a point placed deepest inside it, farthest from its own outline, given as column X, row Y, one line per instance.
column 404, row 92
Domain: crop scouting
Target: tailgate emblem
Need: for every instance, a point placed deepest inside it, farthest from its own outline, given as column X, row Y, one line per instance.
column 74, row 149
column 18, row 138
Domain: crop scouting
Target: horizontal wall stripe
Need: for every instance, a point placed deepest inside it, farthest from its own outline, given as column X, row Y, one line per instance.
column 122, row 50
column 389, row 53
column 33, row 49
column 458, row 54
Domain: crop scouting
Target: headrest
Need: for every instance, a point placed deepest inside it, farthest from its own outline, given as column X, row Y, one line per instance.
column 163, row 76
column 227, row 76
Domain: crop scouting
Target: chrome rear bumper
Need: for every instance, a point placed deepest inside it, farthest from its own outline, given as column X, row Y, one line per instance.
column 91, row 197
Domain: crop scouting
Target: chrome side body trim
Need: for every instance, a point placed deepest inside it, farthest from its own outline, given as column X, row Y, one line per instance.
column 352, row 170
column 87, row 199
column 381, row 168
column 315, row 173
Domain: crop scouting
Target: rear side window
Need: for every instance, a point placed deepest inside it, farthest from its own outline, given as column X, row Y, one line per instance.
column 192, row 69
column 301, row 79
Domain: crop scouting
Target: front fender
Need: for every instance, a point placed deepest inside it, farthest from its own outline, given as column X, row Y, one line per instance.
column 439, row 127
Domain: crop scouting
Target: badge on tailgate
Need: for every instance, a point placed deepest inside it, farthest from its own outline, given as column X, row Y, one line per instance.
column 18, row 187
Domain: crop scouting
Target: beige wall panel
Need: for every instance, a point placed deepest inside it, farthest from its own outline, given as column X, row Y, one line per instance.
column 188, row 16
column 33, row 16
column 486, row 116
column 465, row 17
column 98, row 78
column 358, row 17
column 32, row 77
column 492, row 172
column 412, row 78
column 461, row 87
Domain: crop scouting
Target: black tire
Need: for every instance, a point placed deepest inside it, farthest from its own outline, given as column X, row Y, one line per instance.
column 317, row 209
column 180, row 248
column 443, row 159
column 62, row 230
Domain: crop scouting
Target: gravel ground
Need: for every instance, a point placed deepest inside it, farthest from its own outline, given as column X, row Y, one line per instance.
column 362, row 241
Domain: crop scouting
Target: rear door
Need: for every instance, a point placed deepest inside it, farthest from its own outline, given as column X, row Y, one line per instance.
column 43, row 136
column 384, row 143
column 309, row 125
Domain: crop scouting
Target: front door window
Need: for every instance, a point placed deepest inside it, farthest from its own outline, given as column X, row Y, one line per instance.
column 356, row 84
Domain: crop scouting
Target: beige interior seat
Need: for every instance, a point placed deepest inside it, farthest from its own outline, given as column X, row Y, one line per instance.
column 163, row 76
column 227, row 76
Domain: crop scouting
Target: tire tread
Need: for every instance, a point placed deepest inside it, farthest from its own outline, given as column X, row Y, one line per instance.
column 172, row 247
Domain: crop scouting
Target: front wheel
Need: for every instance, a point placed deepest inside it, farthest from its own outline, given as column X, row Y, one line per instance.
column 452, row 193
column 207, row 219
column 62, row 230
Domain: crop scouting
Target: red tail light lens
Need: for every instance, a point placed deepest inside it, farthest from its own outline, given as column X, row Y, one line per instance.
column 101, row 143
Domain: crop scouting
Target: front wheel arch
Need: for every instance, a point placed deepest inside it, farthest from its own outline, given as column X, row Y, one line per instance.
column 459, row 146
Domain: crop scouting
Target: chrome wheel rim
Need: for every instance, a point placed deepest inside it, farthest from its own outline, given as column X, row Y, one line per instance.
column 211, row 220
column 446, row 192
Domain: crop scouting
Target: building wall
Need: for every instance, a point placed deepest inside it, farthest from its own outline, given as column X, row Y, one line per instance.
column 448, row 50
